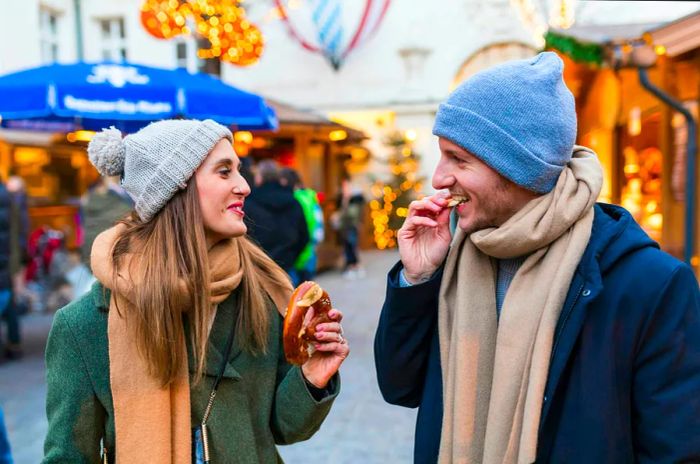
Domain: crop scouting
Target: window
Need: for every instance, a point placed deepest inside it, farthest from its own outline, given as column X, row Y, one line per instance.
column 113, row 39
column 186, row 56
column 48, row 35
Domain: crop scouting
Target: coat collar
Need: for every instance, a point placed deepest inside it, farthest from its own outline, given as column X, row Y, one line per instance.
column 101, row 295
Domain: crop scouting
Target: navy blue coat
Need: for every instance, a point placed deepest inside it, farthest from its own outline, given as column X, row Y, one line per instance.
column 624, row 377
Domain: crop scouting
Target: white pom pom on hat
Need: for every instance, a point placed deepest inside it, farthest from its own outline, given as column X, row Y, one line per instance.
column 107, row 152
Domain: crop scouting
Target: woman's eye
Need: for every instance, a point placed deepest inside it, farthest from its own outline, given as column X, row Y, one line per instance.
column 225, row 172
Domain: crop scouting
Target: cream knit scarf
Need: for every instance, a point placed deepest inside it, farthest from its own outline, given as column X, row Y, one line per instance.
column 152, row 423
column 494, row 371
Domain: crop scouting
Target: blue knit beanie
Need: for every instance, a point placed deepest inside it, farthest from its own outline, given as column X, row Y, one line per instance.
column 518, row 117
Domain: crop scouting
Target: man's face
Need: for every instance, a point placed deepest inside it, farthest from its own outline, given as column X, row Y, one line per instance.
column 492, row 199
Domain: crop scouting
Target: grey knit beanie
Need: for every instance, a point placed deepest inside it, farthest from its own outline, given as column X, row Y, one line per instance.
column 157, row 160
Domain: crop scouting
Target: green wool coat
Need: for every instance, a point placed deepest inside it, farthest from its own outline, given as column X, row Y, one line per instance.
column 261, row 401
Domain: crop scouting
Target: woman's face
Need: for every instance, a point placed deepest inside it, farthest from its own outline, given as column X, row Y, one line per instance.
column 222, row 191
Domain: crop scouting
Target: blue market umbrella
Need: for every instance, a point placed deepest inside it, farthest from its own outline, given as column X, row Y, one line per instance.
column 65, row 97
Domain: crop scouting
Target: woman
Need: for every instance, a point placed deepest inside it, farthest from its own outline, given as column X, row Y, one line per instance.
column 183, row 326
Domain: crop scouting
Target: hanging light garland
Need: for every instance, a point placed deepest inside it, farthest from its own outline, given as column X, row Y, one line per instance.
column 231, row 36
column 532, row 20
column 562, row 14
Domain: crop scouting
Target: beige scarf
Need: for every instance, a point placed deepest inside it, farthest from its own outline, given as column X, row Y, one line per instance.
column 494, row 372
column 152, row 423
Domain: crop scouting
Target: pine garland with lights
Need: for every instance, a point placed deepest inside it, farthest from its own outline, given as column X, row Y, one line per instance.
column 389, row 207
column 581, row 52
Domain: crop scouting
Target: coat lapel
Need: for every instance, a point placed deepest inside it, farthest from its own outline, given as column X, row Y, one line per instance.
column 585, row 287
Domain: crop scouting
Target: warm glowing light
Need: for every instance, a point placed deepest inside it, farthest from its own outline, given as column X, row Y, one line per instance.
column 80, row 136
column 258, row 142
column 562, row 14
column 31, row 156
column 337, row 135
column 655, row 221
column 411, row 135
column 243, row 137
column 634, row 125
column 233, row 39
column 631, row 169
column 660, row 50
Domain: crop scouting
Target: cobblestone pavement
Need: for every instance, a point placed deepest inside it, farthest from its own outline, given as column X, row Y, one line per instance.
column 360, row 429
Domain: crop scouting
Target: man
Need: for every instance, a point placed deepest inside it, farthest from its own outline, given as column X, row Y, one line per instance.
column 305, row 264
column 6, row 307
column 550, row 328
column 18, row 223
column 274, row 217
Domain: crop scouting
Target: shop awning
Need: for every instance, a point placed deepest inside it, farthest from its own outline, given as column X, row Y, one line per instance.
column 62, row 97
column 678, row 36
column 290, row 115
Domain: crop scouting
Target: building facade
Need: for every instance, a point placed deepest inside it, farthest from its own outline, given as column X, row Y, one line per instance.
column 392, row 82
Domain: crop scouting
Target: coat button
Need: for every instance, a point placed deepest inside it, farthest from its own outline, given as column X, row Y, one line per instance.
column 586, row 292
column 545, row 398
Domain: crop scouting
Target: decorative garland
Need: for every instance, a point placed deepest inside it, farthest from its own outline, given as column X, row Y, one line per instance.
column 354, row 41
column 581, row 52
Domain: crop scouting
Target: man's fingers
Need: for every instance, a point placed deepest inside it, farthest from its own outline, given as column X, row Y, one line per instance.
column 417, row 221
column 444, row 216
column 422, row 207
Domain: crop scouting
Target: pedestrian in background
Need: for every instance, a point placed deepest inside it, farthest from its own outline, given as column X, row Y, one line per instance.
column 10, row 348
column 101, row 207
column 183, row 332
column 305, row 265
column 348, row 219
column 276, row 219
column 19, row 234
column 550, row 328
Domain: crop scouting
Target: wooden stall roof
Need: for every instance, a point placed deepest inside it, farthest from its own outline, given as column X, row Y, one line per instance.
column 294, row 117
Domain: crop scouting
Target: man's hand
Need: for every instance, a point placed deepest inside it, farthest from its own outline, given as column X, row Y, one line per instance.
column 424, row 239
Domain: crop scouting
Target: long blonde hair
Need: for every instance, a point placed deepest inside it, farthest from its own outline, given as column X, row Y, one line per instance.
column 170, row 249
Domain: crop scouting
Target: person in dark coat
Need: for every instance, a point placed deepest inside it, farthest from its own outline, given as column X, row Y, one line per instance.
column 550, row 328
column 11, row 348
column 275, row 218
